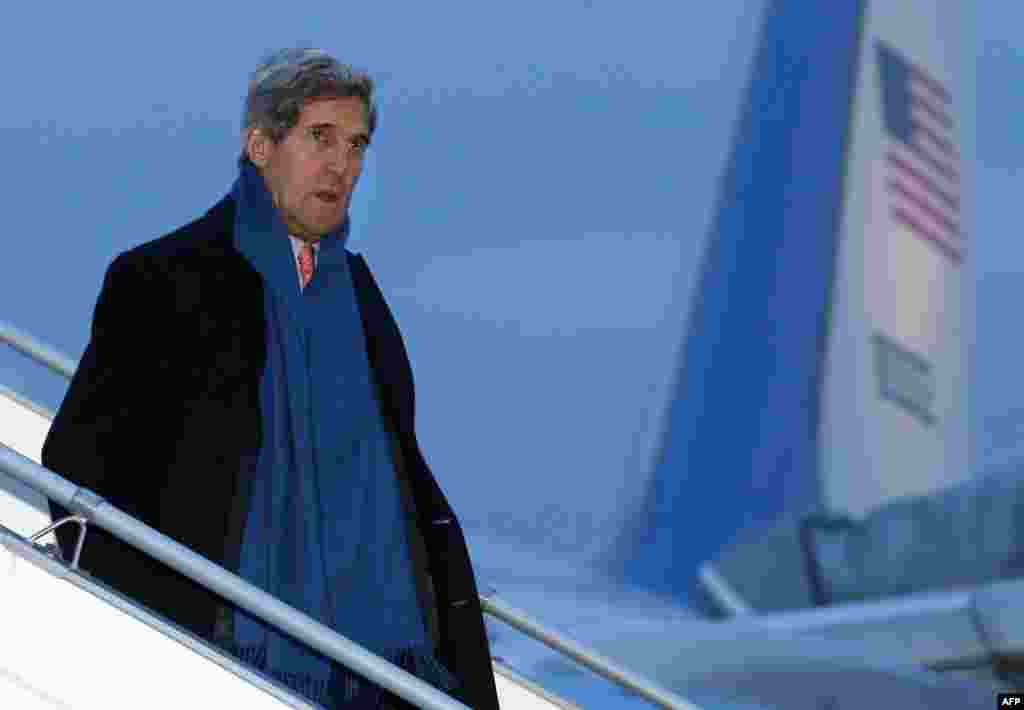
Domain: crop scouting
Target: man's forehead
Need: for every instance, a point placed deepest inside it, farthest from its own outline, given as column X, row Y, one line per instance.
column 348, row 112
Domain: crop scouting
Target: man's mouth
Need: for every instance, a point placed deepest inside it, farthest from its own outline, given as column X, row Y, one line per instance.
column 328, row 196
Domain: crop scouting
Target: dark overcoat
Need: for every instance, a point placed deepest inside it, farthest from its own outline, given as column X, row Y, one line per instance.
column 163, row 414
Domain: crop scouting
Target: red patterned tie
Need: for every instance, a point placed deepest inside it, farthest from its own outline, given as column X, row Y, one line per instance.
column 306, row 263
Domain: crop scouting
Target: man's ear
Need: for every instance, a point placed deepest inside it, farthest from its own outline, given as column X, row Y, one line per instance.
column 258, row 146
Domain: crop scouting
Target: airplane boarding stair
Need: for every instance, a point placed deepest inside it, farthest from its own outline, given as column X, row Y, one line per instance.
column 90, row 646
column 72, row 642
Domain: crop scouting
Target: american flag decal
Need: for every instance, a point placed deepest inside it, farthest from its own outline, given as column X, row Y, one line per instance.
column 922, row 160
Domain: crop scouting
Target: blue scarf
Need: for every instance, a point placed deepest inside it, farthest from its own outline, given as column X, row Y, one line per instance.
column 325, row 531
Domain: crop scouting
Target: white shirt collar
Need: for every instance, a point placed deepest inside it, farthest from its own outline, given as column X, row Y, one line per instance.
column 297, row 245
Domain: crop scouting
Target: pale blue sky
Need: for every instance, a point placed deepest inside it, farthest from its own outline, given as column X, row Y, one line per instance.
column 534, row 207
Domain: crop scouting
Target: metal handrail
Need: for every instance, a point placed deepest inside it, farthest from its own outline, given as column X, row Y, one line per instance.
column 60, row 363
column 83, row 527
column 37, row 350
column 230, row 586
column 599, row 664
column 721, row 591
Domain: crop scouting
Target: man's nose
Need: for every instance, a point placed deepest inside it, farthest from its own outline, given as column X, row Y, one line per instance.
column 340, row 160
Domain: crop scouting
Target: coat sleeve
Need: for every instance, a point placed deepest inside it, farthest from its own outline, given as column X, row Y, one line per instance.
column 98, row 438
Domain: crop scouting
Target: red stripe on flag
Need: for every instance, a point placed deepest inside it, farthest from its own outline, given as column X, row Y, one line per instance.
column 943, row 169
column 951, row 227
column 939, row 115
column 933, row 188
column 941, row 143
column 934, row 86
column 904, row 217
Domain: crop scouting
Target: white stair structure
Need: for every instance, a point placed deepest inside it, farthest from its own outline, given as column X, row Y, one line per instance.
column 24, row 428
column 70, row 642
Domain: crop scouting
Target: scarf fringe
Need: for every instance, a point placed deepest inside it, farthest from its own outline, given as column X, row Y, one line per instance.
column 345, row 685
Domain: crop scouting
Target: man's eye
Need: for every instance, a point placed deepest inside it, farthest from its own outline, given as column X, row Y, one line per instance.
column 319, row 135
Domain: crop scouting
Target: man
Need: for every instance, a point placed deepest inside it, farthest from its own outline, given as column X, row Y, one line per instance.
column 246, row 391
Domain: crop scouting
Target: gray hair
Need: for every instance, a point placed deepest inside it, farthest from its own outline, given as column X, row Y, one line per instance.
column 287, row 79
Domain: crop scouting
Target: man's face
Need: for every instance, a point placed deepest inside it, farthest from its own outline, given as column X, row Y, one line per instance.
column 312, row 173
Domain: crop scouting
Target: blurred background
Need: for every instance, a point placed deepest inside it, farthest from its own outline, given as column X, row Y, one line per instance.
column 535, row 207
